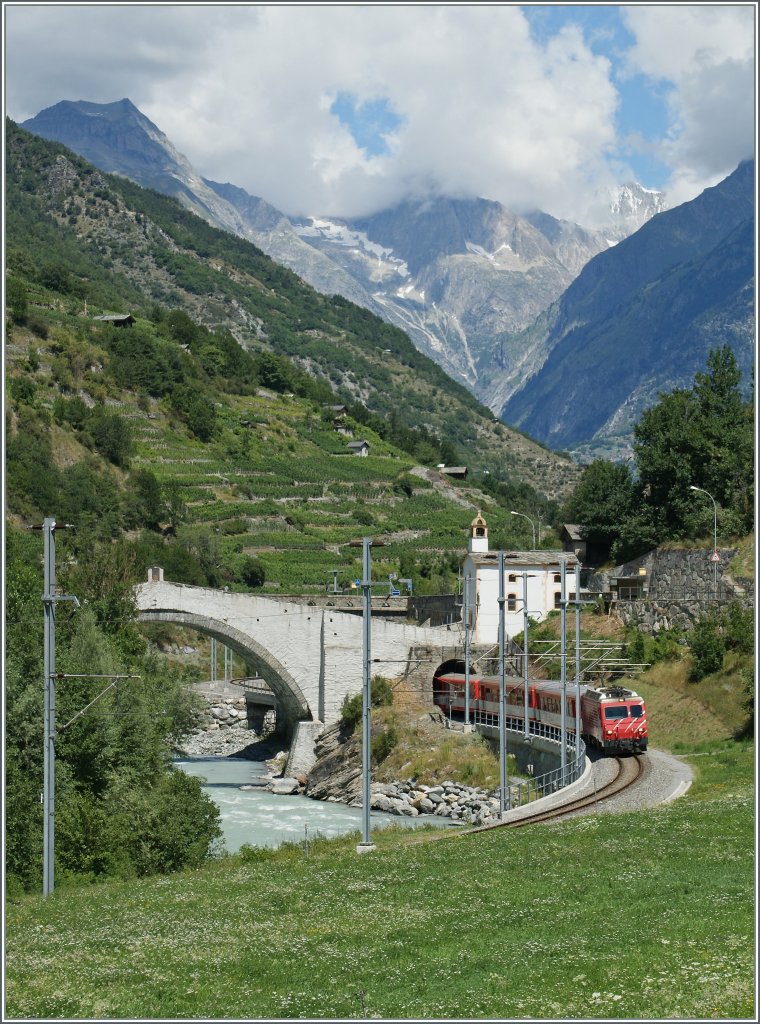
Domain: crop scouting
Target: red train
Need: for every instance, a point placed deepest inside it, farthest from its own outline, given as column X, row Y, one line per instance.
column 612, row 717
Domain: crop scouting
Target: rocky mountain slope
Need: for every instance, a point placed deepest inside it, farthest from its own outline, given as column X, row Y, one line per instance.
column 459, row 276
column 106, row 244
column 640, row 319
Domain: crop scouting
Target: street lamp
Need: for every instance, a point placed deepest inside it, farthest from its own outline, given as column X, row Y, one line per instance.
column 715, row 535
column 533, row 528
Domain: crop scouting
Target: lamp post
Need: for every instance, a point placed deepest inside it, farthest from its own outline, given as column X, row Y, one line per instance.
column 715, row 535
column 526, row 723
column 532, row 526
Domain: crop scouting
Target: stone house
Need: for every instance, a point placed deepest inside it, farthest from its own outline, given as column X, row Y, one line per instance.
column 358, row 448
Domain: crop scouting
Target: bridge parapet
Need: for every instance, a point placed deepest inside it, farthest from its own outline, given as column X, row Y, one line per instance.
column 310, row 657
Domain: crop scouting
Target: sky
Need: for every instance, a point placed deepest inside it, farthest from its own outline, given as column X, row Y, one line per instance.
column 344, row 110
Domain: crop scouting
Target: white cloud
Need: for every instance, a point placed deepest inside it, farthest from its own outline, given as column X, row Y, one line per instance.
column 705, row 53
column 245, row 93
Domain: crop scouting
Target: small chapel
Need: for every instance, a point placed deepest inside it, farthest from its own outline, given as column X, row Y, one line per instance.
column 540, row 572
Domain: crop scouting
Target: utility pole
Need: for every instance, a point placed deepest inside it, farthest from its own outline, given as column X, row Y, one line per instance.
column 563, row 666
column 49, row 599
column 466, row 613
column 502, row 696
column 577, row 659
column 366, row 844
column 48, row 793
column 526, row 723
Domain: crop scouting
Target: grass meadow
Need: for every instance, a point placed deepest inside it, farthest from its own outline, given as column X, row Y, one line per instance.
column 643, row 915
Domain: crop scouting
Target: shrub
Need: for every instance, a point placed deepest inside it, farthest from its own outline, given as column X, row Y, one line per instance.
column 16, row 300
column 383, row 744
column 252, row 572
column 351, row 708
column 707, row 647
column 739, row 625
column 23, row 389
column 111, row 436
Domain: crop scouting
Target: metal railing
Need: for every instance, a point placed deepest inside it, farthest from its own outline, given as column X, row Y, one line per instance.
column 528, row 790
column 723, row 593
column 253, row 684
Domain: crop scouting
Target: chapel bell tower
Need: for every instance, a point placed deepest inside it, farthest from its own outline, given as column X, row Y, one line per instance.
column 478, row 534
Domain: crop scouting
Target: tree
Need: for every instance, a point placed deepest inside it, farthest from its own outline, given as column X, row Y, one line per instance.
column 252, row 572
column 111, row 436
column 197, row 410
column 604, row 499
column 708, row 647
column 121, row 809
column 275, row 372
column 702, row 437
column 143, row 506
column 16, row 300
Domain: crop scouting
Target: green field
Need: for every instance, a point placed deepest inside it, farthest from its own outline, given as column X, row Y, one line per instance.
column 643, row 915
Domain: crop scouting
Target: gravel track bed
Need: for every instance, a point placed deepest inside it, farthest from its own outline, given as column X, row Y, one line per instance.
column 664, row 778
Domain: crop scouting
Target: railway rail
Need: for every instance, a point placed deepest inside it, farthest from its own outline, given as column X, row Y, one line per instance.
column 629, row 771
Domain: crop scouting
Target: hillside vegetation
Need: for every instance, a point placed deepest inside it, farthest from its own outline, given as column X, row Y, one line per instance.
column 200, row 437
column 209, row 415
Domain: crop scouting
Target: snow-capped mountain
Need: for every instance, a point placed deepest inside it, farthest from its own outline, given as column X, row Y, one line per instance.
column 631, row 205
column 462, row 277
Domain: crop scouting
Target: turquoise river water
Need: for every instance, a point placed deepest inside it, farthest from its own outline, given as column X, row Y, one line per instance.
column 260, row 818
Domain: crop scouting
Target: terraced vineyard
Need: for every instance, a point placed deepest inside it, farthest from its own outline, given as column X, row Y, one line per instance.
column 300, row 513
column 225, row 379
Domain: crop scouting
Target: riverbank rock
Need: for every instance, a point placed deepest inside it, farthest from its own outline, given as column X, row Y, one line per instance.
column 337, row 777
column 221, row 729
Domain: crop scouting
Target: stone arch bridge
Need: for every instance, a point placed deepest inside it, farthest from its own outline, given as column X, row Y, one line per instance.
column 310, row 656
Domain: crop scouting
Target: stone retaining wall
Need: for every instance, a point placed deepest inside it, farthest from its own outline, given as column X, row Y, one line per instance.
column 679, row 587
column 221, row 728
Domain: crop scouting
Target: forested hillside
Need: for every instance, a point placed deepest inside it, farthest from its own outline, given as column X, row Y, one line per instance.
column 208, row 434
column 113, row 243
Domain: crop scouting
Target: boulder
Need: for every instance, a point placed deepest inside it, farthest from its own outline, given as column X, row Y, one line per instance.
column 284, row 787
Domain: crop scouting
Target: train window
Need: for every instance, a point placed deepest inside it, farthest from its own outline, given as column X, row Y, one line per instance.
column 511, row 602
column 610, row 713
column 637, row 710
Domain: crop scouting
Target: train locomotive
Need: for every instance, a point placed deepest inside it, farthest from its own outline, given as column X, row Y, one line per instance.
column 612, row 717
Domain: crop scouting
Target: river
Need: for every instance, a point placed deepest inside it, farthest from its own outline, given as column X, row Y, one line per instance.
column 259, row 818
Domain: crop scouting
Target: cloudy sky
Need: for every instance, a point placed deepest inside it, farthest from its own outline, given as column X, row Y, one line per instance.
column 343, row 109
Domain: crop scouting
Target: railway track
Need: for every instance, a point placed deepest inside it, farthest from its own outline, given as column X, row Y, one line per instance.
column 629, row 771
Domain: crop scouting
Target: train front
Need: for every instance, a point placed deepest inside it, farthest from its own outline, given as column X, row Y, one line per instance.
column 624, row 724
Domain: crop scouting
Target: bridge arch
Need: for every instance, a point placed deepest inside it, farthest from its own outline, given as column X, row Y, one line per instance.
column 290, row 697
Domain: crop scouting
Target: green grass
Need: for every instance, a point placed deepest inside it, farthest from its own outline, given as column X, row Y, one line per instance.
column 644, row 915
